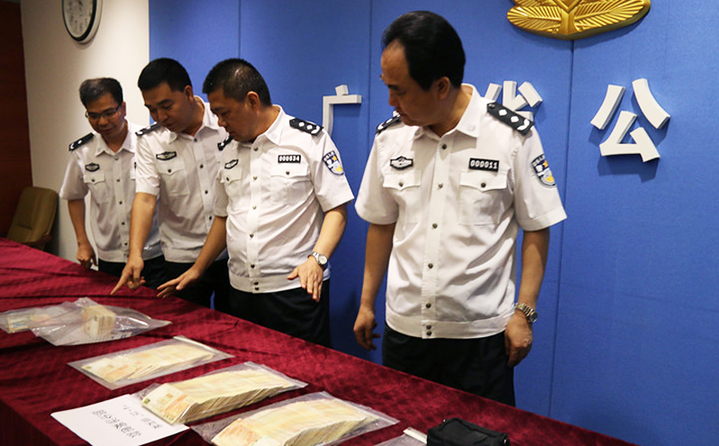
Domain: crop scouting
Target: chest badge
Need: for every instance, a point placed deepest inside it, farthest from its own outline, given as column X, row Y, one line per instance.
column 92, row 167
column 292, row 158
column 483, row 164
column 333, row 163
column 401, row 163
column 166, row 156
column 231, row 164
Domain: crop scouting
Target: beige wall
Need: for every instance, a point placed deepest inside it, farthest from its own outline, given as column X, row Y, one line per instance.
column 55, row 65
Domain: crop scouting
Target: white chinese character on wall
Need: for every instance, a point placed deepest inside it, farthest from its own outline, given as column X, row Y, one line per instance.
column 642, row 145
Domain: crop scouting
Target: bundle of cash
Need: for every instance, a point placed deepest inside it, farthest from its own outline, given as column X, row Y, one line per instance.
column 208, row 395
column 139, row 364
column 97, row 320
column 303, row 423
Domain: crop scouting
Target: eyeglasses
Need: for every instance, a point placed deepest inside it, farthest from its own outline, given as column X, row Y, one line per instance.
column 107, row 114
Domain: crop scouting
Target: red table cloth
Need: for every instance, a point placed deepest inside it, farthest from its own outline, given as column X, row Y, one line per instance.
column 36, row 381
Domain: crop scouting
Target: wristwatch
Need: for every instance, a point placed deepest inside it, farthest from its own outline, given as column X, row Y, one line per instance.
column 529, row 312
column 321, row 259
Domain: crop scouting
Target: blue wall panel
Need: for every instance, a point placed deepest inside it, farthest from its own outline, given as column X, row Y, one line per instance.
column 626, row 342
column 304, row 50
column 634, row 352
column 197, row 33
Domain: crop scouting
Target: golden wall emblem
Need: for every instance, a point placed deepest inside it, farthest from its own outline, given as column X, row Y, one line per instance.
column 575, row 19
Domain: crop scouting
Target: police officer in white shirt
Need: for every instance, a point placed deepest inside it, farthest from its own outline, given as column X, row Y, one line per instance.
column 281, row 207
column 448, row 184
column 177, row 162
column 102, row 163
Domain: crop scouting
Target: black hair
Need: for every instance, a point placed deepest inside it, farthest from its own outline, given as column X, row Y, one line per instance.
column 164, row 70
column 92, row 89
column 237, row 77
column 432, row 47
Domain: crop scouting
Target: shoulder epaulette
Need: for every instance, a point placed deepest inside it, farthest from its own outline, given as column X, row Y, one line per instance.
column 221, row 145
column 148, row 129
column 509, row 117
column 305, row 126
column 388, row 123
column 75, row 144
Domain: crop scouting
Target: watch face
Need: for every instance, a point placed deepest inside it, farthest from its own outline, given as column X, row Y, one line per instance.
column 80, row 17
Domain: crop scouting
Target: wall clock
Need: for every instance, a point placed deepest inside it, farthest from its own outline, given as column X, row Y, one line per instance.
column 81, row 18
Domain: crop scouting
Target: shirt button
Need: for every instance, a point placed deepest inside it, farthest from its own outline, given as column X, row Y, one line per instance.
column 201, row 166
column 121, row 202
column 254, row 207
column 401, row 184
column 252, row 235
column 256, row 283
column 227, row 179
column 255, row 177
column 440, row 185
column 428, row 327
column 118, row 180
column 430, row 266
column 429, row 332
column 434, row 225
column 169, row 170
column 483, row 185
column 444, row 146
column 428, row 305
column 123, row 223
column 257, row 288
column 206, row 192
column 255, row 149
column 252, row 266
column 210, row 217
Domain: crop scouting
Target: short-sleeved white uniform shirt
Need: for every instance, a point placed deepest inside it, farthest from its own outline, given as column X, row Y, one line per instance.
column 180, row 170
column 274, row 193
column 109, row 178
column 458, row 202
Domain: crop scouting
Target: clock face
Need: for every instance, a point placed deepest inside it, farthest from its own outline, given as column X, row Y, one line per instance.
column 81, row 18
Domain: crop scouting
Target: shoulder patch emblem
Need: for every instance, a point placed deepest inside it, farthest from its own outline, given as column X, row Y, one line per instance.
column 541, row 169
column 231, row 164
column 221, row 145
column 401, row 162
column 166, row 156
column 148, row 129
column 92, row 167
column 81, row 141
column 388, row 123
column 512, row 119
column 306, row 126
column 333, row 163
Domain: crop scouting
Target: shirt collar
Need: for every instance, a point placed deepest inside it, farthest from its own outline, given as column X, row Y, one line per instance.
column 467, row 123
column 274, row 133
column 209, row 120
column 127, row 144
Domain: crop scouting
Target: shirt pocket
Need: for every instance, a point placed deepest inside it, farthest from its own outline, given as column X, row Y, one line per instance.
column 231, row 180
column 404, row 187
column 484, row 197
column 289, row 183
column 98, row 186
column 174, row 176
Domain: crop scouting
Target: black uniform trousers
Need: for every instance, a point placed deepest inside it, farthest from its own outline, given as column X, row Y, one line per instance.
column 477, row 365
